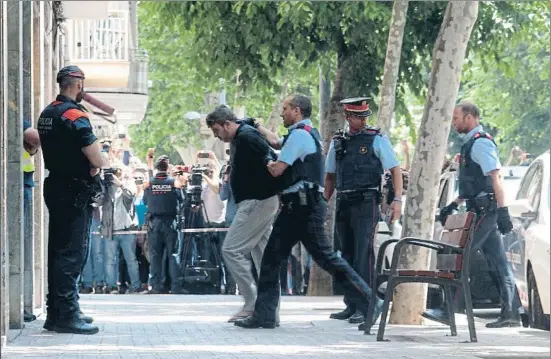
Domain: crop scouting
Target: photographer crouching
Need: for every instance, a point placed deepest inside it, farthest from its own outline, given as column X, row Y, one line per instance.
column 162, row 197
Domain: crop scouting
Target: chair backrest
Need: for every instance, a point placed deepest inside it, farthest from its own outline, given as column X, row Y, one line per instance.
column 457, row 229
column 456, row 233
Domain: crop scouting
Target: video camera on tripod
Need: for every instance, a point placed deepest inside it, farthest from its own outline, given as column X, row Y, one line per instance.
column 195, row 184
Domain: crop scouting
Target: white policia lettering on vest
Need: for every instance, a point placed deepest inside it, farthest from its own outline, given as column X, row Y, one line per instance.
column 161, row 188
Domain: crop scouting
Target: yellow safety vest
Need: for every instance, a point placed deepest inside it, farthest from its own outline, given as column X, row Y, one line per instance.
column 28, row 162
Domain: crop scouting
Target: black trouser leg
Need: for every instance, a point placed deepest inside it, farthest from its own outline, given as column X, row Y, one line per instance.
column 281, row 242
column 487, row 238
column 170, row 239
column 67, row 247
column 346, row 238
column 156, row 251
column 314, row 239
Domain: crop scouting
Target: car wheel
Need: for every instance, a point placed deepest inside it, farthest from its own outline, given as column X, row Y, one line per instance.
column 536, row 317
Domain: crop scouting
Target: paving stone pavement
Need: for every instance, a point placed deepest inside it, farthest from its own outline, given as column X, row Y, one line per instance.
column 194, row 327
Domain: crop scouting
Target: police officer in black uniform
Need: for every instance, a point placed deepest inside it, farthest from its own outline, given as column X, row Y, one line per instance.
column 481, row 186
column 355, row 164
column 301, row 218
column 162, row 197
column 73, row 157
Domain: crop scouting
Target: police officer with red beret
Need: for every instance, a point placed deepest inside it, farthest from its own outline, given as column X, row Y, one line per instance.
column 72, row 155
column 354, row 167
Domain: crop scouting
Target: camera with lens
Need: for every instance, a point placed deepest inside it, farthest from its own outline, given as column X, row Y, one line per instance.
column 108, row 174
column 195, row 186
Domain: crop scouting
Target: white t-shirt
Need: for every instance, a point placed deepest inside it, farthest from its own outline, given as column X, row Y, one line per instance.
column 214, row 206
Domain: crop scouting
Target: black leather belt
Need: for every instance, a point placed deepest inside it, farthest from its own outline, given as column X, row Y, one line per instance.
column 360, row 195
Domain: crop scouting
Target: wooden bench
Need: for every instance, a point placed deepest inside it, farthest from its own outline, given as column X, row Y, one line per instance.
column 452, row 269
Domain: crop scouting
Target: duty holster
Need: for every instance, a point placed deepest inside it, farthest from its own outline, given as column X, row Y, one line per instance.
column 484, row 204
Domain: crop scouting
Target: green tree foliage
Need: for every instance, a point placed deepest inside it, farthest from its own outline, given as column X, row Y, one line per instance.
column 182, row 77
column 512, row 88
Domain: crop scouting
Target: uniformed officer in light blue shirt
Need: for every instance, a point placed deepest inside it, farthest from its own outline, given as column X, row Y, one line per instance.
column 354, row 167
column 481, row 187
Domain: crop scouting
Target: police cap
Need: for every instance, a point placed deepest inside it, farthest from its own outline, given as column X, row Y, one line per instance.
column 72, row 71
column 357, row 106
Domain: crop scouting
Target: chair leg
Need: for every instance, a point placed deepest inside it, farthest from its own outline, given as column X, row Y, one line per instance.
column 371, row 306
column 451, row 311
column 469, row 310
column 386, row 305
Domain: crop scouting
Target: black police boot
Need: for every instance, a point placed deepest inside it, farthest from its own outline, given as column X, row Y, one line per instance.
column 505, row 322
column 437, row 315
column 51, row 318
column 357, row 318
column 75, row 326
column 253, row 322
column 28, row 317
column 86, row 290
column 343, row 315
column 376, row 314
column 85, row 318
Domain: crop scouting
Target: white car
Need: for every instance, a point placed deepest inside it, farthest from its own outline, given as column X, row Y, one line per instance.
column 527, row 245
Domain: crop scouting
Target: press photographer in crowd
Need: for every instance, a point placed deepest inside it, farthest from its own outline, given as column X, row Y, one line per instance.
column 121, row 189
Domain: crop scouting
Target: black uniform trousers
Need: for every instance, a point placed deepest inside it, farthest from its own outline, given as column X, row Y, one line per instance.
column 356, row 222
column 68, row 246
column 488, row 239
column 304, row 223
column 162, row 236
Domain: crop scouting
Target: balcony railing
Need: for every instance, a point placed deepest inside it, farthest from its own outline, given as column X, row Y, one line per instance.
column 99, row 40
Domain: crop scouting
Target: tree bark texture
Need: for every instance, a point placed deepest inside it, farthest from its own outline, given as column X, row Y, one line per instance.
column 321, row 282
column 274, row 121
column 447, row 62
column 392, row 64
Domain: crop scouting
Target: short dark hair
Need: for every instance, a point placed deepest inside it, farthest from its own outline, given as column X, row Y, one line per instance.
column 469, row 108
column 162, row 166
column 220, row 115
column 302, row 102
column 66, row 82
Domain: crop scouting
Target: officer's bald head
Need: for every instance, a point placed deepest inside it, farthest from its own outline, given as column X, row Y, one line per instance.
column 31, row 140
column 469, row 108
column 466, row 116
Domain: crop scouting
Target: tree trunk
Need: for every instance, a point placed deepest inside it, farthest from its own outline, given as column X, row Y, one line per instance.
column 321, row 282
column 447, row 61
column 274, row 121
column 392, row 64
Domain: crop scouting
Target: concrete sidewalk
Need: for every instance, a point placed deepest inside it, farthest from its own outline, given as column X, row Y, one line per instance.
column 191, row 327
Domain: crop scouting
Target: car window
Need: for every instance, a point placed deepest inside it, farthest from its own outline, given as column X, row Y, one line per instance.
column 534, row 191
column 531, row 185
column 443, row 201
column 525, row 184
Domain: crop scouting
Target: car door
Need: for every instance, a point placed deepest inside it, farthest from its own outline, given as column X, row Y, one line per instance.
column 515, row 241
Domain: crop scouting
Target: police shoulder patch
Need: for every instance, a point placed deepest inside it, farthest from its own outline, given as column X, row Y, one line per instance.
column 74, row 114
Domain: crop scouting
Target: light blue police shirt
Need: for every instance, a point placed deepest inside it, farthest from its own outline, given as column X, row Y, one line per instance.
column 381, row 147
column 299, row 144
column 484, row 152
